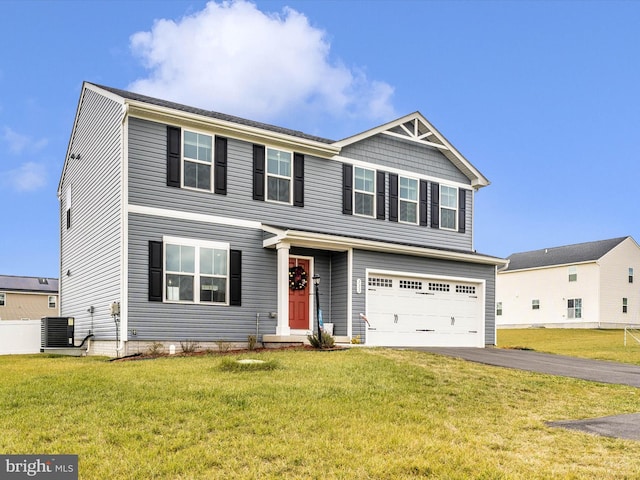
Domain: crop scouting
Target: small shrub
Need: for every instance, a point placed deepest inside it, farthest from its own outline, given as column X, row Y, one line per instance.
column 356, row 340
column 223, row 346
column 189, row 346
column 247, row 365
column 326, row 341
column 155, row 349
column 251, row 342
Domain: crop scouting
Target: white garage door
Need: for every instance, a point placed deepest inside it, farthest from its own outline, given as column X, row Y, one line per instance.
column 405, row 311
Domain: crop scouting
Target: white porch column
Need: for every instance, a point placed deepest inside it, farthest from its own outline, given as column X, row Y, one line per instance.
column 282, row 328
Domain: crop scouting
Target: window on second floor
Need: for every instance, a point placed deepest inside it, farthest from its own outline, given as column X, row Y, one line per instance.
column 573, row 274
column 52, row 301
column 535, row 304
column 279, row 175
column 499, row 308
column 197, row 158
column 574, row 308
column 630, row 275
column 364, row 191
column 3, row 299
column 448, row 207
column 625, row 305
column 408, row 200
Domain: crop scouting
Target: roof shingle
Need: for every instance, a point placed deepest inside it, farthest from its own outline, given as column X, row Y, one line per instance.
column 568, row 254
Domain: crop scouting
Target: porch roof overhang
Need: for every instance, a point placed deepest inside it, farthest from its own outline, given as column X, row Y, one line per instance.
column 325, row 241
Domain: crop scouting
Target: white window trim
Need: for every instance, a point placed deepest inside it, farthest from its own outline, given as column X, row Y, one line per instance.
column 535, row 304
column 184, row 159
column 455, row 210
column 55, row 301
column 275, row 175
column 373, row 194
column 416, row 202
column 631, row 275
column 4, row 299
column 573, row 270
column 197, row 244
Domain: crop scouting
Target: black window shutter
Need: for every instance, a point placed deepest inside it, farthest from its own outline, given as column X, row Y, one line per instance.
column 380, row 196
column 347, row 188
column 235, row 277
column 298, row 179
column 393, row 197
column 174, row 140
column 462, row 210
column 258, row 172
column 155, row 271
column 435, row 205
column 423, row 203
column 220, row 173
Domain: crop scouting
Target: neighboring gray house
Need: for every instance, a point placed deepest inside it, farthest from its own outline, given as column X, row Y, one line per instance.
column 586, row 285
column 206, row 227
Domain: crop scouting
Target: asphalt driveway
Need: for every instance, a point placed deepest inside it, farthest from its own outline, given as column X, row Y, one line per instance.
column 618, row 426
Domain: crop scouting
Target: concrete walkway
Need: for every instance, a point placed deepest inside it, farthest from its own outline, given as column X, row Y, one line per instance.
column 617, row 426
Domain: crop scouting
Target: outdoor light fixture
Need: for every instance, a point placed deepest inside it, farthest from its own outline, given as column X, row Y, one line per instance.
column 316, row 279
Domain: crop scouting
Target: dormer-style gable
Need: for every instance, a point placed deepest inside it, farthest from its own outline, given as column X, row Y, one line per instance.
column 417, row 129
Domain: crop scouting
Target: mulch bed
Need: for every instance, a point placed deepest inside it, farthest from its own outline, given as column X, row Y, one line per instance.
column 199, row 353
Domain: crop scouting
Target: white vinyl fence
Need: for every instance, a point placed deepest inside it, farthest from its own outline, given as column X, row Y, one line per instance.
column 19, row 336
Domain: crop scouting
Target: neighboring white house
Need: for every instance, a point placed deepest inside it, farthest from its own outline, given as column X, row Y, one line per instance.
column 587, row 285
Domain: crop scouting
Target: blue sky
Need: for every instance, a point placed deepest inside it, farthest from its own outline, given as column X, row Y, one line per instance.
column 542, row 97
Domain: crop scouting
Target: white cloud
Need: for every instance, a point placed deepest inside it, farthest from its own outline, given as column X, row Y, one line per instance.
column 19, row 143
column 233, row 58
column 27, row 177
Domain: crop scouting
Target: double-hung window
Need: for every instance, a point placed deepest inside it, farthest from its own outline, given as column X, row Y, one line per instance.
column 196, row 271
column 573, row 273
column 535, row 304
column 52, row 301
column 574, row 308
column 630, row 275
column 3, row 299
column 279, row 175
column 625, row 305
column 197, row 160
column 448, row 207
column 408, row 201
column 364, row 191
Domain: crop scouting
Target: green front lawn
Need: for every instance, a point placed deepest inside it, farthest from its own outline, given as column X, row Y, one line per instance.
column 357, row 414
column 584, row 343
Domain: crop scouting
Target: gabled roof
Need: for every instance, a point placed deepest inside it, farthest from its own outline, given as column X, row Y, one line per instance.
column 416, row 128
column 211, row 114
column 565, row 255
column 9, row 283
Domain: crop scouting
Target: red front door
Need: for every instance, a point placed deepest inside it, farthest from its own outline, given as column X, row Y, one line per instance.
column 298, row 295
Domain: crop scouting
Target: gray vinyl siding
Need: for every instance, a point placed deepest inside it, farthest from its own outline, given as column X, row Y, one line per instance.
column 91, row 248
column 363, row 260
column 393, row 152
column 339, row 292
column 322, row 210
column 201, row 322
